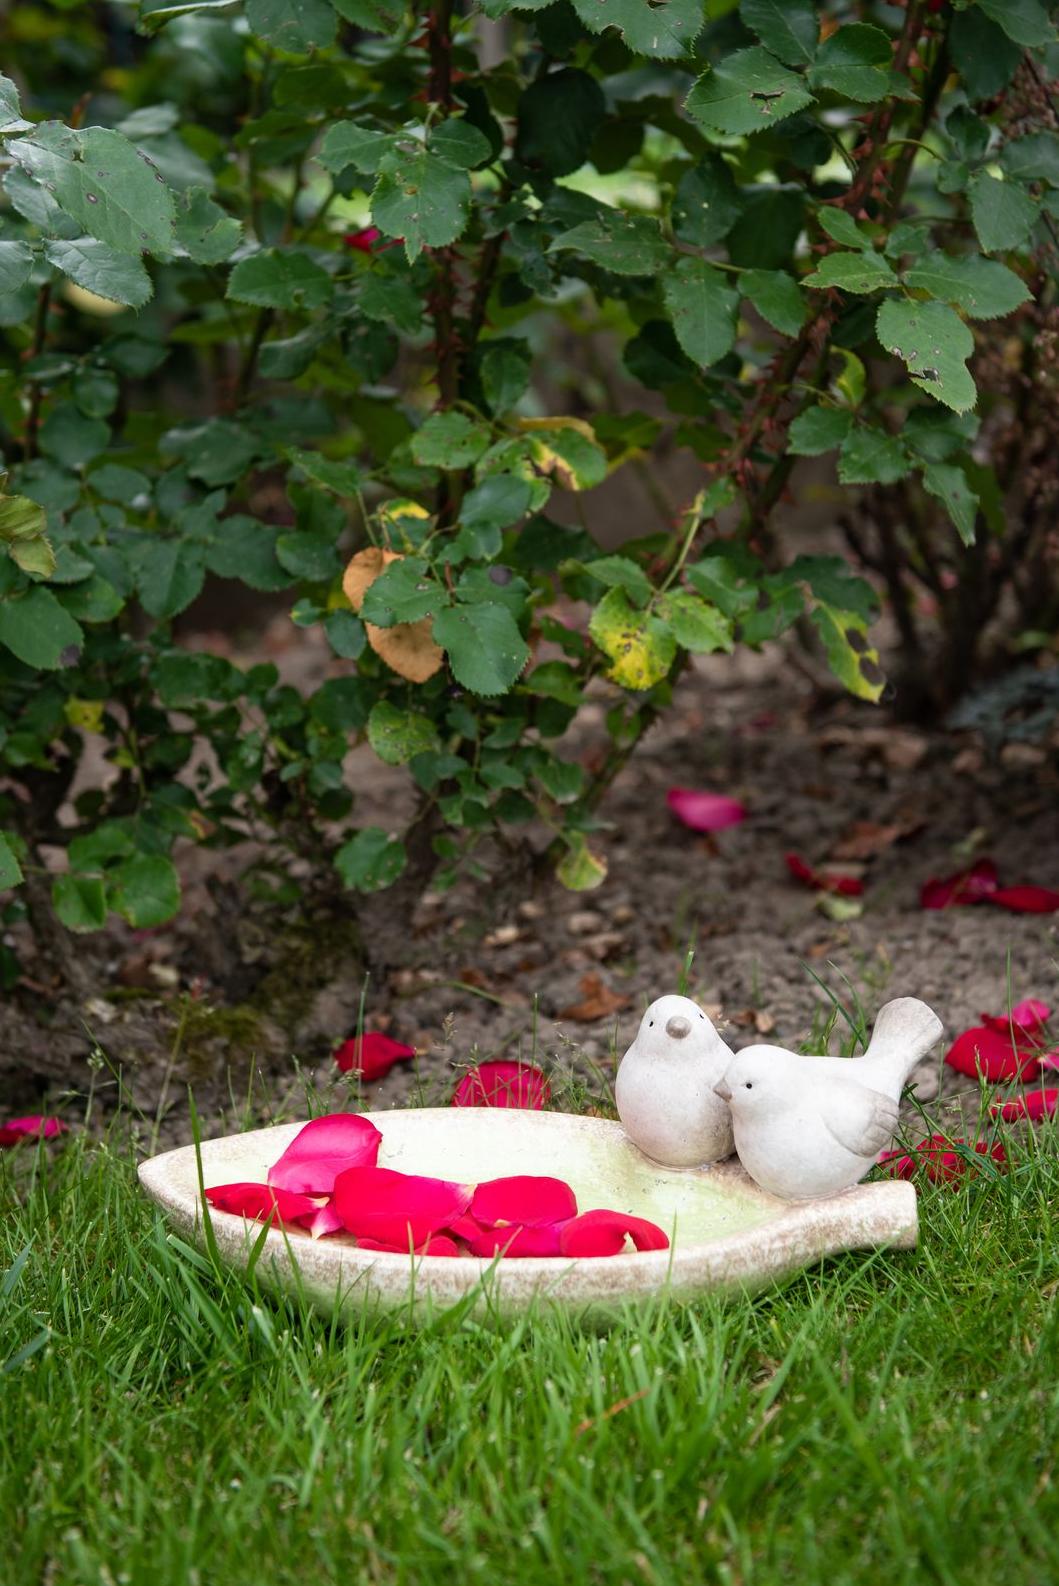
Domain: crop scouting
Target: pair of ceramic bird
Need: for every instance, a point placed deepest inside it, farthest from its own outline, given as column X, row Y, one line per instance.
column 802, row 1126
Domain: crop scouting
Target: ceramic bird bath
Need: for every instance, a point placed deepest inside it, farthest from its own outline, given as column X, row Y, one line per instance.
column 726, row 1233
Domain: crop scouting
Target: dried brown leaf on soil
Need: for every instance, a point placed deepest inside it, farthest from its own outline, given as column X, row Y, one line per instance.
column 597, row 1001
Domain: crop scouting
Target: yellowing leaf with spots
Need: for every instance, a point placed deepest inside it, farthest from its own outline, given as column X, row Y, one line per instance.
column 639, row 646
column 854, row 661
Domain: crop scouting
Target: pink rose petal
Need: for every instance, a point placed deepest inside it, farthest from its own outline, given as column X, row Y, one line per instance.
column 379, row 1203
column 502, row 1084
column 704, row 812
column 523, row 1199
column 966, row 886
column 602, row 1233
column 822, row 880
column 324, row 1148
column 990, row 1053
column 31, row 1128
column 327, row 1221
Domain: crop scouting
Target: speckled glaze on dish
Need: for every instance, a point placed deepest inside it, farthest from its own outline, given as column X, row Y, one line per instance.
column 726, row 1232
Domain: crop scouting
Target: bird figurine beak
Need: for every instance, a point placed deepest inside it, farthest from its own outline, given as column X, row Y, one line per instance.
column 721, row 1089
column 678, row 1027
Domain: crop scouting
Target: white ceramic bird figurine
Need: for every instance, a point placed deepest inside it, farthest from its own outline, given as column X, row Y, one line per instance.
column 809, row 1126
column 665, row 1086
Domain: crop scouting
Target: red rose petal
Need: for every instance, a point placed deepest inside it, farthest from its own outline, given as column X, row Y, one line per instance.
column 379, row 1203
column 602, row 1233
column 517, row 1241
column 966, row 886
column 1035, row 1105
column 897, row 1164
column 323, row 1149
column 263, row 1203
column 503, row 1084
column 523, row 1199
column 1025, row 900
column 704, row 812
column 946, row 1166
column 438, row 1245
column 465, row 1227
column 990, row 1053
column 821, row 881
column 363, row 240
column 372, row 1055
column 31, row 1128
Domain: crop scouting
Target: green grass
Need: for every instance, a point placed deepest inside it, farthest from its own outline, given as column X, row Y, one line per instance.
column 890, row 1417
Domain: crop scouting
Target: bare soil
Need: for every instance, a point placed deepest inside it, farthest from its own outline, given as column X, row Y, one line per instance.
column 246, row 1004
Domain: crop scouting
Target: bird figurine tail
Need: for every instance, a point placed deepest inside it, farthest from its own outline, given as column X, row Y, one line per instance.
column 905, row 1030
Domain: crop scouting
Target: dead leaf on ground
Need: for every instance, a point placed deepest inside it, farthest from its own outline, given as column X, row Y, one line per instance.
column 900, row 749
column 754, row 1019
column 868, row 839
column 597, row 1001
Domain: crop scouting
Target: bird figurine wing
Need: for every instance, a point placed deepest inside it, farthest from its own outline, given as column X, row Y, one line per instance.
column 862, row 1120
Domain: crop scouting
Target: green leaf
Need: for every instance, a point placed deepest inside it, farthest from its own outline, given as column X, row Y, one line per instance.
column 871, row 457
column 396, row 735
column 777, row 297
column 841, row 227
column 854, row 62
column 579, row 869
column 495, row 504
column 169, row 575
column 623, row 244
column 80, row 902
column 558, row 117
column 345, row 479
column 949, row 483
column 746, row 92
column 853, row 272
column 1034, row 158
column 459, row 143
column 11, row 119
column 984, row 56
column 702, row 307
column 391, row 299
column 852, row 383
column 35, row 628
column 789, row 28
column 829, row 579
column 819, row 430
column 21, row 519
column 619, row 572
column 707, row 203
column 371, row 860
column 504, row 367
column 639, row 645
column 109, row 273
column 308, row 555
column 346, row 144
column 16, row 263
column 10, row 869
column 1004, row 213
column 403, row 592
column 280, row 278
column 100, row 180
column 852, row 659
column 485, row 648
column 72, row 438
column 694, row 623
column 934, row 343
column 662, row 32
column 983, row 288
column 345, row 634
column 375, row 16
column 246, row 549
column 145, row 890
column 422, row 199
column 449, row 440
column 1024, row 21
column 203, row 229
column 296, row 26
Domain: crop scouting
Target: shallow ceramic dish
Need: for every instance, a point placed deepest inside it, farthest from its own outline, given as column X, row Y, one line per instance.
column 725, row 1232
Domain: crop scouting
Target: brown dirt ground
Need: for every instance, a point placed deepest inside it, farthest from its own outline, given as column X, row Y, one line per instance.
column 522, row 967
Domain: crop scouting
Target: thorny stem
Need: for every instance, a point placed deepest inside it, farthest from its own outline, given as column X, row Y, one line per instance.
column 36, row 394
column 448, row 349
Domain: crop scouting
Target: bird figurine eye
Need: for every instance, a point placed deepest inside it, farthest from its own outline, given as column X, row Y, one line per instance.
column 650, row 1024
column 749, row 1085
